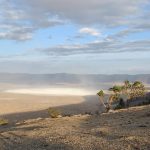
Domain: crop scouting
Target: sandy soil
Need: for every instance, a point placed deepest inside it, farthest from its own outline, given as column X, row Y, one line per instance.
column 12, row 103
column 22, row 106
column 127, row 129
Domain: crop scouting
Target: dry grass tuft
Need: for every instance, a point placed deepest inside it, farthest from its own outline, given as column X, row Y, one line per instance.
column 3, row 122
column 54, row 113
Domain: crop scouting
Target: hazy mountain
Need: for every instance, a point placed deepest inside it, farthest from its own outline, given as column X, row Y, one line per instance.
column 62, row 78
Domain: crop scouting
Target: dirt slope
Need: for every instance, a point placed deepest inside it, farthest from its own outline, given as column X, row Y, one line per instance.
column 123, row 130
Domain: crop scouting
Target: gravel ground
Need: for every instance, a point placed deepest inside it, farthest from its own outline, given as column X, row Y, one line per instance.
column 127, row 129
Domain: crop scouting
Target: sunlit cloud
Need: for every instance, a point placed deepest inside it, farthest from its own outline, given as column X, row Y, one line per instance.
column 90, row 31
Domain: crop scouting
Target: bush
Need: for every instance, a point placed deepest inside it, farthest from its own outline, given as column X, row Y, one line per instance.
column 146, row 103
column 118, row 107
column 3, row 122
column 121, row 104
column 54, row 113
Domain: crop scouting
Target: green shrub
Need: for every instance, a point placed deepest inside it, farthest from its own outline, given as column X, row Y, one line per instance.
column 121, row 104
column 146, row 103
column 54, row 113
column 3, row 122
column 118, row 107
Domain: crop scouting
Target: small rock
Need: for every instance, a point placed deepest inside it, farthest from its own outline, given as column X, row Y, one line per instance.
column 142, row 126
column 79, row 115
column 45, row 145
column 111, row 111
column 129, row 122
column 19, row 123
column 59, row 116
column 39, row 119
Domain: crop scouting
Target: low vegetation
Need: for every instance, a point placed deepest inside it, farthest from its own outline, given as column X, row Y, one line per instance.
column 54, row 113
column 122, row 95
column 3, row 122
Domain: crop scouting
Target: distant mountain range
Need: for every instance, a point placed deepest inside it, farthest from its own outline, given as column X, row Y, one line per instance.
column 63, row 78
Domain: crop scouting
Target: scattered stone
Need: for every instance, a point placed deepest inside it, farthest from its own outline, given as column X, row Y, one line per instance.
column 80, row 132
column 39, row 119
column 19, row 123
column 129, row 122
column 59, row 116
column 45, row 145
column 79, row 115
column 111, row 111
column 32, row 120
column 142, row 126
column 88, row 113
column 148, row 114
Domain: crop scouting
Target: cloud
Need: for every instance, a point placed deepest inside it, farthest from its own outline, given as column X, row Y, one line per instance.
column 110, row 12
column 41, row 14
column 97, row 47
column 90, row 31
column 16, row 32
column 137, row 25
column 83, row 32
column 16, row 23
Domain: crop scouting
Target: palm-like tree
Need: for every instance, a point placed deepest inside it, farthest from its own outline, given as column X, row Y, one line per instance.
column 127, row 88
column 112, row 98
column 138, row 89
column 137, row 84
column 101, row 95
column 116, row 89
column 123, row 94
column 127, row 83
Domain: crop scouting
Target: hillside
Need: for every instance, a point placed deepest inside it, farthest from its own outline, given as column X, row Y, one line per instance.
column 127, row 129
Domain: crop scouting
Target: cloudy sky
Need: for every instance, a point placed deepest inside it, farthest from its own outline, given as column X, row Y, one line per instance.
column 88, row 36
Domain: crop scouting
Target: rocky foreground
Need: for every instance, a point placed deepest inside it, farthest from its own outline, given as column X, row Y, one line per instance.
column 127, row 129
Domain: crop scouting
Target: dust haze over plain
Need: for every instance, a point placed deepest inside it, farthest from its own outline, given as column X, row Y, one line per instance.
column 63, row 84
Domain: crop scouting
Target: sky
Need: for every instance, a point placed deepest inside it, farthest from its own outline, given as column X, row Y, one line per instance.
column 68, row 36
